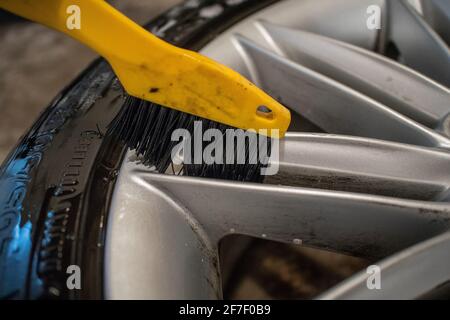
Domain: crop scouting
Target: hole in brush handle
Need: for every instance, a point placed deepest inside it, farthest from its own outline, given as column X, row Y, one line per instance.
column 264, row 112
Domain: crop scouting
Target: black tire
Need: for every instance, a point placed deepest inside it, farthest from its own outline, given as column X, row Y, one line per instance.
column 56, row 185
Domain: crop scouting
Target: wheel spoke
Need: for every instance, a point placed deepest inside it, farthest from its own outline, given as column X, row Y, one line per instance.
column 365, row 225
column 345, row 26
column 385, row 168
column 409, row 274
column 332, row 106
column 404, row 27
column 155, row 249
column 382, row 79
column 437, row 14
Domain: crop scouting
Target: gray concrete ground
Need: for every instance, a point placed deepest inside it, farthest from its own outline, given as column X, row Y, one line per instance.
column 36, row 63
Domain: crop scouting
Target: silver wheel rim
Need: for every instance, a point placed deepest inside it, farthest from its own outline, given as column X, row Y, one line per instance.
column 375, row 185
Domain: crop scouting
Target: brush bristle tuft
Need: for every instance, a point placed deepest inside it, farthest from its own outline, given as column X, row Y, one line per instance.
column 147, row 129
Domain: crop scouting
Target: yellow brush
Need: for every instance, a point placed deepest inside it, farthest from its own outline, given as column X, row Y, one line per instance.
column 153, row 70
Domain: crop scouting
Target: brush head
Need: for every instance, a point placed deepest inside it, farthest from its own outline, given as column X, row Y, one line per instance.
column 147, row 129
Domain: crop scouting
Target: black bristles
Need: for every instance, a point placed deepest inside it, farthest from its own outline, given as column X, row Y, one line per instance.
column 147, row 128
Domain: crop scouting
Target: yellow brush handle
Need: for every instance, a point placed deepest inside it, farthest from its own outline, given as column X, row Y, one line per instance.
column 154, row 70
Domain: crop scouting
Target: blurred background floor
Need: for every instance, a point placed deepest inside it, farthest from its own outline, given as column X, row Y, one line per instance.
column 36, row 63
